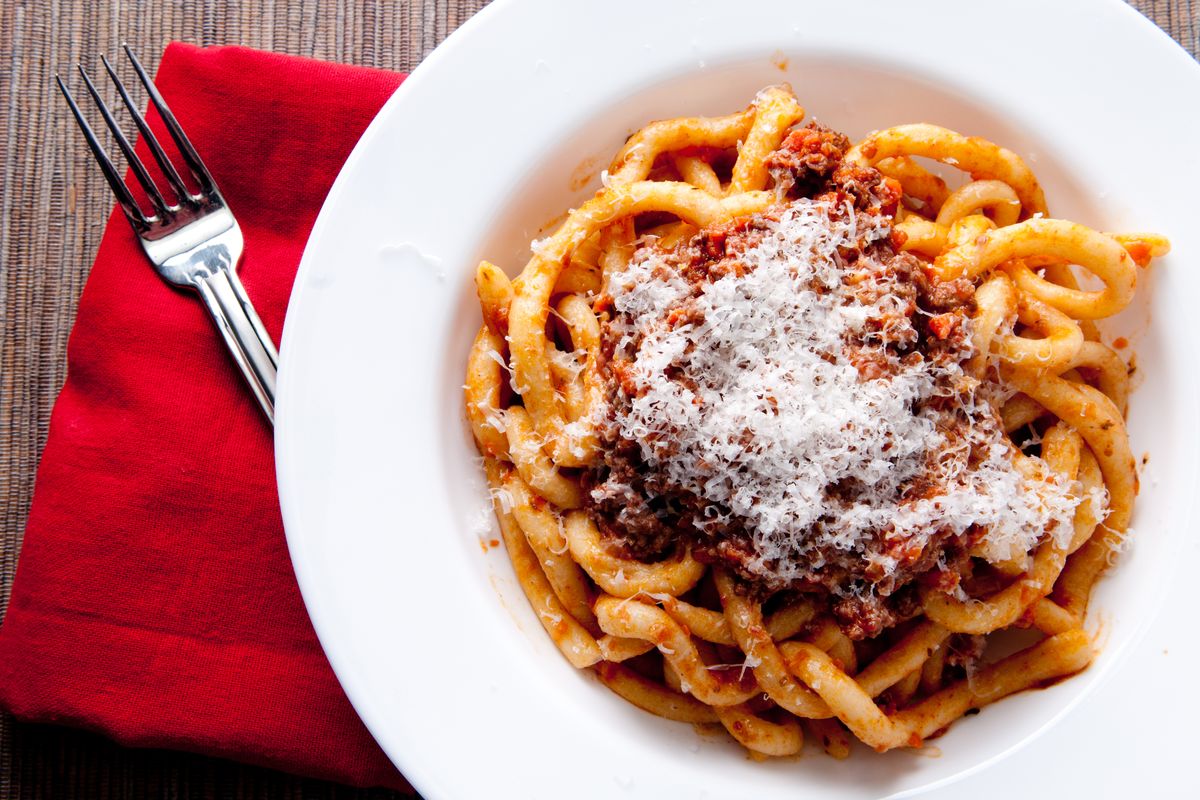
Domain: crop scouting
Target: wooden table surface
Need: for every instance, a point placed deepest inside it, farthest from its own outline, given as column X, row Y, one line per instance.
column 53, row 205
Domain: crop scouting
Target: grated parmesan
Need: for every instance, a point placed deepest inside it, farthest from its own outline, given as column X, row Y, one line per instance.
column 757, row 408
column 504, row 498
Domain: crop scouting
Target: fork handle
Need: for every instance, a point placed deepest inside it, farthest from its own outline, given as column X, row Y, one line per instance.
column 244, row 334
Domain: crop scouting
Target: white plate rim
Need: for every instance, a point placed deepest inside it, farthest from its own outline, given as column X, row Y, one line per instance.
column 290, row 445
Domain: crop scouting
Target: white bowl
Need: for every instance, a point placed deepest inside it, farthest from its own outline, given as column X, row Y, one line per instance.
column 502, row 129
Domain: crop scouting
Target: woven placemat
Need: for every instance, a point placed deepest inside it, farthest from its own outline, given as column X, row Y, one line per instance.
column 53, row 205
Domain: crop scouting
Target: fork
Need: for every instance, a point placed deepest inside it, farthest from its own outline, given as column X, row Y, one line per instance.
column 193, row 242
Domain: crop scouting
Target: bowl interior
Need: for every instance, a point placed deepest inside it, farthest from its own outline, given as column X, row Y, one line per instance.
column 854, row 97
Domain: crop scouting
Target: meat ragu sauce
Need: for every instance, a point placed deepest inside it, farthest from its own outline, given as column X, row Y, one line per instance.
column 645, row 514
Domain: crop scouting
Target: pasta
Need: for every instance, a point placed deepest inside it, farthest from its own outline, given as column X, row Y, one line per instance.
column 780, row 429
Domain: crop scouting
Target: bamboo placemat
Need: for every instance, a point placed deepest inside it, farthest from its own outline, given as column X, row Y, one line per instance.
column 53, row 205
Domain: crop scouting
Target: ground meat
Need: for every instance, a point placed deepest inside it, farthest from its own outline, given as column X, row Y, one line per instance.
column 807, row 158
column 865, row 188
column 863, row 617
column 622, row 508
column 712, row 252
column 643, row 516
column 943, row 295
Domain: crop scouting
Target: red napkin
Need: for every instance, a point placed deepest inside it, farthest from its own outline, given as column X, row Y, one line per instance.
column 154, row 599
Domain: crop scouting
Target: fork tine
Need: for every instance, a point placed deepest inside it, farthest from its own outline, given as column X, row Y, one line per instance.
column 135, row 163
column 124, row 196
column 201, row 173
column 160, row 156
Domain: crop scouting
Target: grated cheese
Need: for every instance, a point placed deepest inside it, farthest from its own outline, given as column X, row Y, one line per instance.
column 504, row 498
column 512, row 376
column 771, row 420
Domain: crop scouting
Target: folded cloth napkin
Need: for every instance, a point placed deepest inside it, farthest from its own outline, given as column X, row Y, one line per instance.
column 154, row 600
